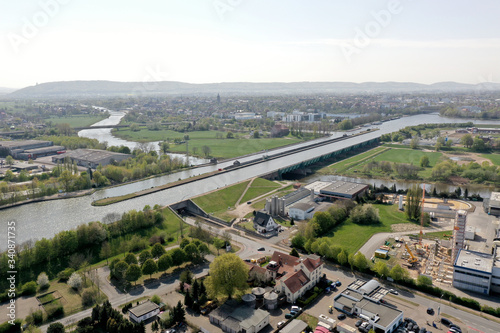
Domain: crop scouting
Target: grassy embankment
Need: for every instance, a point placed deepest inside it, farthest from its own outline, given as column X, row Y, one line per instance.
column 354, row 166
column 219, row 148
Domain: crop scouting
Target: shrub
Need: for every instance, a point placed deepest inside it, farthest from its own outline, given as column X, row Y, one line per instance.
column 29, row 288
column 56, row 328
column 156, row 299
column 55, row 312
column 88, row 297
column 65, row 275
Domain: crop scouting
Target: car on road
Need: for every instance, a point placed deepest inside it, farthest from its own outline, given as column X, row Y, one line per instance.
column 249, row 202
column 446, row 322
column 341, row 316
column 261, row 249
column 394, row 292
column 338, row 283
column 455, row 329
column 430, row 311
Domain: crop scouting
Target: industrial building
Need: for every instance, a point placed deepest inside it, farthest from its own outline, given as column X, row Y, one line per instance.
column 363, row 298
column 459, row 232
column 91, row 158
column 343, row 190
column 492, row 206
column 476, row 271
column 29, row 149
column 301, row 211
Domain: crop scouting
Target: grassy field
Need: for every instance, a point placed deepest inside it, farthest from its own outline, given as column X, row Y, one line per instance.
column 220, row 148
column 218, row 202
column 352, row 236
column 259, row 187
column 354, row 166
column 494, row 158
column 77, row 121
column 434, row 235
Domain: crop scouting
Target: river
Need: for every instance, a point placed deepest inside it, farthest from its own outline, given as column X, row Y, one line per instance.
column 45, row 219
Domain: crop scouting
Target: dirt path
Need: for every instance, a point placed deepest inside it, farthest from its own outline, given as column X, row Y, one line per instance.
column 244, row 192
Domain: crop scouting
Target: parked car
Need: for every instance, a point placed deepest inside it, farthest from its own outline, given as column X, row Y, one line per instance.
column 294, row 313
column 289, row 316
column 446, row 322
column 338, row 283
column 281, row 324
column 430, row 311
column 296, row 308
column 359, row 322
column 455, row 329
column 261, row 249
column 341, row 316
column 392, row 291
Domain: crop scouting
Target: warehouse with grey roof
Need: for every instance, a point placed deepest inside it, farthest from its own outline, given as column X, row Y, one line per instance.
column 91, row 158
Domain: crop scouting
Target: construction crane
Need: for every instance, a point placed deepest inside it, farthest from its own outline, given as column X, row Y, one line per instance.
column 422, row 217
column 412, row 260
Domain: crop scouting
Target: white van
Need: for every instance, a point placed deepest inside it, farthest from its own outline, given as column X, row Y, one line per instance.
column 296, row 308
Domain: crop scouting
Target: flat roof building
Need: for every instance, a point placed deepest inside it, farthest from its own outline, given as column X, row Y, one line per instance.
column 341, row 189
column 363, row 298
column 91, row 158
column 493, row 207
column 143, row 311
column 474, row 271
column 233, row 318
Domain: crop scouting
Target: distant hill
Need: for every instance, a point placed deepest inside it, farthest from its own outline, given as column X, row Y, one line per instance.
column 112, row 88
column 4, row 91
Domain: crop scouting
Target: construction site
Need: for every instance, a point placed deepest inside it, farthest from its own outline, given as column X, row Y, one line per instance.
column 431, row 253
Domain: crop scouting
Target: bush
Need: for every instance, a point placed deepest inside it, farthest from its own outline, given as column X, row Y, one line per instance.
column 36, row 317
column 29, row 288
column 7, row 327
column 56, row 328
column 55, row 312
column 88, row 298
column 156, row 299
column 65, row 275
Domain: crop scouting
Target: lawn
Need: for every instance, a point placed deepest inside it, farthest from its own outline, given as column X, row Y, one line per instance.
column 219, row 201
column 259, row 187
column 354, row 166
column 77, row 121
column 434, row 235
column 352, row 236
column 220, row 148
column 494, row 158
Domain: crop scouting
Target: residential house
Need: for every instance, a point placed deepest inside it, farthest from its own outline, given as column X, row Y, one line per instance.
column 264, row 223
column 143, row 311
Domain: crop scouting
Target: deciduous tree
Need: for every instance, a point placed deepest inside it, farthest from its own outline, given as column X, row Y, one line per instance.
column 228, row 275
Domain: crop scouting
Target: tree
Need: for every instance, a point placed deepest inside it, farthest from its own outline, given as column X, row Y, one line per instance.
column 256, row 134
column 67, row 179
column 228, row 274
column 203, row 249
column 467, row 140
column 186, row 276
column 229, row 135
column 43, row 280
column 478, row 144
column 206, row 150
column 75, row 281
column 105, row 251
column 381, row 269
column 149, row 267
column 365, row 214
column 423, row 280
column 143, row 256
column 292, row 221
column 345, row 125
column 188, row 300
column 218, row 243
column 342, row 257
column 158, row 250
column 164, row 146
column 192, row 252
column 9, row 160
column 130, row 259
column 155, row 327
column 424, row 161
column 294, row 253
column 414, row 143
column 413, row 201
column 133, row 273
column 164, row 263
column 119, row 270
column 156, row 299
column 178, row 256
column 56, row 328
column 360, row 261
column 398, row 273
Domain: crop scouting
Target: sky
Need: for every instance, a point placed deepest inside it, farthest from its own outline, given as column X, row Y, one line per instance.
column 205, row 41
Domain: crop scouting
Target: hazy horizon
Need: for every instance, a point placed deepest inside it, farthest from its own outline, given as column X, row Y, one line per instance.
column 249, row 41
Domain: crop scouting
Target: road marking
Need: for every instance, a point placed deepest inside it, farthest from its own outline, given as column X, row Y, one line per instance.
column 475, row 329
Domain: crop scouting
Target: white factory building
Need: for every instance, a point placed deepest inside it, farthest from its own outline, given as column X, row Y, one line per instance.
column 477, row 272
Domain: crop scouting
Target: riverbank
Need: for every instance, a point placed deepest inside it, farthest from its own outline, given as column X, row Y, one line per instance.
column 57, row 196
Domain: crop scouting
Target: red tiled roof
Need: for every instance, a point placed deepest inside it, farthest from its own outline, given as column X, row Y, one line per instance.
column 311, row 264
column 256, row 268
column 296, row 281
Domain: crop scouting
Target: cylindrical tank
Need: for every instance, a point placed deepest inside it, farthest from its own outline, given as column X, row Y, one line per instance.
column 249, row 300
column 258, row 292
column 271, row 300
